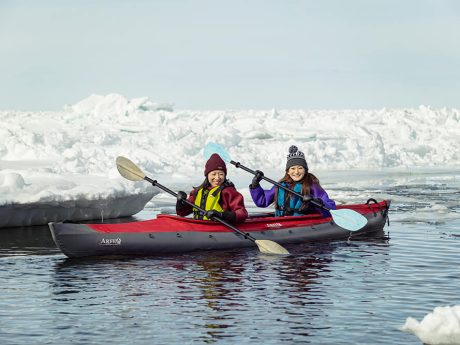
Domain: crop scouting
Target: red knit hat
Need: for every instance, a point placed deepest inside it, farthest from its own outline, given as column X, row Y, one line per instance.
column 214, row 163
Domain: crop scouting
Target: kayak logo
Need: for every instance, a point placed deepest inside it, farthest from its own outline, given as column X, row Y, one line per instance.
column 274, row 225
column 110, row 242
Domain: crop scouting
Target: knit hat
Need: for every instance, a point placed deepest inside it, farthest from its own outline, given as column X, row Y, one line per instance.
column 214, row 163
column 296, row 157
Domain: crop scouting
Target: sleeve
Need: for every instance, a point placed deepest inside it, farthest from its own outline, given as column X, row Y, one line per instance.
column 185, row 210
column 320, row 193
column 262, row 197
column 233, row 201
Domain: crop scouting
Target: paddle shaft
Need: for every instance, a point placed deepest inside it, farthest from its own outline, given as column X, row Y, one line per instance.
column 167, row 190
column 303, row 197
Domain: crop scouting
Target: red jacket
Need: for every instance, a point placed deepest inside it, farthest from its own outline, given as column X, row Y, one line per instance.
column 230, row 200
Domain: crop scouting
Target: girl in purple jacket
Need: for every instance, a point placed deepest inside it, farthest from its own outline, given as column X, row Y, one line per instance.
column 300, row 180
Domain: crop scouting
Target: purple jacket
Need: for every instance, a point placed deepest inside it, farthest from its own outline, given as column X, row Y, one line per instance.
column 263, row 198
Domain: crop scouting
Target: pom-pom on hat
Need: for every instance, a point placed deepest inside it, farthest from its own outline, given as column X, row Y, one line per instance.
column 296, row 157
column 215, row 163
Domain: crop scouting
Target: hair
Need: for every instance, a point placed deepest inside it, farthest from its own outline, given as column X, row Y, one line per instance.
column 306, row 182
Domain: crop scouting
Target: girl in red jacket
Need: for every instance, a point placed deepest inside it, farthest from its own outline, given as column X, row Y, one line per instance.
column 216, row 195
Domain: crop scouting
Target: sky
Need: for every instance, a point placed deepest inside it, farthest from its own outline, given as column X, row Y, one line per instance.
column 214, row 54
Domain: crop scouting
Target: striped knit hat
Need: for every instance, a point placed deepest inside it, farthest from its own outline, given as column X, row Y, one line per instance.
column 296, row 157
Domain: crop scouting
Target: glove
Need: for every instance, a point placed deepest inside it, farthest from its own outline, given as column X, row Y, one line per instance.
column 181, row 196
column 256, row 179
column 213, row 214
column 228, row 216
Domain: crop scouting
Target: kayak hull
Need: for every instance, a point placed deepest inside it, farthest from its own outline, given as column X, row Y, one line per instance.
column 173, row 234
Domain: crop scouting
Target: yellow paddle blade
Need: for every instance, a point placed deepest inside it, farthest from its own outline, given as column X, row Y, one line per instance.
column 129, row 170
column 270, row 247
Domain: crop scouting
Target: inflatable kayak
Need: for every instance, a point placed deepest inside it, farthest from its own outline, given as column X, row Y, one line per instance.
column 173, row 234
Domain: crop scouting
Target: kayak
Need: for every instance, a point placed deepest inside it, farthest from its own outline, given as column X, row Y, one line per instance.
column 175, row 234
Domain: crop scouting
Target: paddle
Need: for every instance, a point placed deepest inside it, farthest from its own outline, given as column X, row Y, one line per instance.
column 132, row 172
column 345, row 218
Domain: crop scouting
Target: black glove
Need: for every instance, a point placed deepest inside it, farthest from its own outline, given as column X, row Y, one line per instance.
column 256, row 179
column 213, row 214
column 228, row 216
column 181, row 196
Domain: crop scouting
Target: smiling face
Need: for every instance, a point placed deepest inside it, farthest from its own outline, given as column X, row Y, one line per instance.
column 296, row 172
column 216, row 178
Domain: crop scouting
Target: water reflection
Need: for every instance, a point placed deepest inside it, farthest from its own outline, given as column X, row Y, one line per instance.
column 236, row 284
column 209, row 293
column 219, row 285
column 26, row 241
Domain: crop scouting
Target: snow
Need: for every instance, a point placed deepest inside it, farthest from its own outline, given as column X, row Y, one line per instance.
column 68, row 157
column 441, row 327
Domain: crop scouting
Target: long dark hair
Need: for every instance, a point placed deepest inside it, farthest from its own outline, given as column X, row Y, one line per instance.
column 306, row 182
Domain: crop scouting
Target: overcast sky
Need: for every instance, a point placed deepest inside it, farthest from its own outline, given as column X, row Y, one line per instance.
column 239, row 54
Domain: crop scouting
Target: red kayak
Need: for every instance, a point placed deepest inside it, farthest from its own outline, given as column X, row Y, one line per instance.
column 173, row 234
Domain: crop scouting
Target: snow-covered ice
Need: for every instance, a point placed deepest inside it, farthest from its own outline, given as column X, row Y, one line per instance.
column 68, row 157
column 441, row 327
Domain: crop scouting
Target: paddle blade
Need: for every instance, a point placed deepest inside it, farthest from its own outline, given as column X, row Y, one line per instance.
column 270, row 247
column 211, row 148
column 348, row 219
column 129, row 170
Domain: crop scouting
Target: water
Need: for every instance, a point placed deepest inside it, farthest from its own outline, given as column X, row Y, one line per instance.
column 328, row 293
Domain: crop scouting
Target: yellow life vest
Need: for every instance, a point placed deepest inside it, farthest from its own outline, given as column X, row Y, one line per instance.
column 207, row 199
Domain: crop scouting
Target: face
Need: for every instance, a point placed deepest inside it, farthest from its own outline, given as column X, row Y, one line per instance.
column 216, row 178
column 296, row 172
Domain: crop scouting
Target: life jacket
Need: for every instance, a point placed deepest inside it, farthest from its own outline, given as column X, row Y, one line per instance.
column 289, row 205
column 208, row 199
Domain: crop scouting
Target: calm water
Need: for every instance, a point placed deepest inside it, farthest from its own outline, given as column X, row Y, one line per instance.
column 329, row 293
